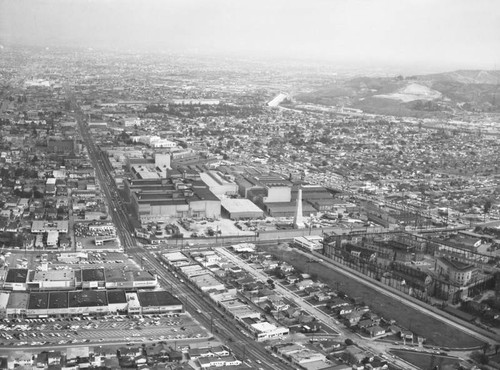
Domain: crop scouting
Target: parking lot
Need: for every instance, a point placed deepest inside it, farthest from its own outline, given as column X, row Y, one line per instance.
column 117, row 328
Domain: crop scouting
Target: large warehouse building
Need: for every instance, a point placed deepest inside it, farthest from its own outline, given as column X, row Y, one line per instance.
column 90, row 278
column 219, row 184
column 160, row 199
column 237, row 209
column 86, row 302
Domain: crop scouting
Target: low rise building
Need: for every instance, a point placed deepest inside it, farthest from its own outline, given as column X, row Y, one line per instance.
column 4, row 300
column 237, row 209
column 17, row 304
column 207, row 282
column 159, row 302
column 16, row 279
column 265, row 330
column 53, row 279
column 46, row 226
column 305, row 356
column 310, row 242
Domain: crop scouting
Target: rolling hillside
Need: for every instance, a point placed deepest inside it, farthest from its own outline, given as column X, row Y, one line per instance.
column 420, row 96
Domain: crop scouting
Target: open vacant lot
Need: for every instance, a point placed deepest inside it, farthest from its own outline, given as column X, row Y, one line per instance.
column 427, row 361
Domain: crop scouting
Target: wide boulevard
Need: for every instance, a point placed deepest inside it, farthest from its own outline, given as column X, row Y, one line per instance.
column 195, row 303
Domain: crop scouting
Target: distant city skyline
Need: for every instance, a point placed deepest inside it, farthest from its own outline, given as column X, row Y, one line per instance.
column 415, row 34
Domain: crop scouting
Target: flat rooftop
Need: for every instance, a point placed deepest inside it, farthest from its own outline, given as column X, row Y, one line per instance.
column 175, row 256
column 4, row 300
column 58, row 300
column 142, row 275
column 240, row 205
column 117, row 275
column 38, row 301
column 18, row 300
column 93, row 275
column 88, row 298
column 49, row 225
column 214, row 178
column 116, row 296
column 53, row 275
column 264, row 326
column 157, row 298
column 17, row 276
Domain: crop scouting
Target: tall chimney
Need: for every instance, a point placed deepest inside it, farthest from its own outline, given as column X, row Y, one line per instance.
column 298, row 222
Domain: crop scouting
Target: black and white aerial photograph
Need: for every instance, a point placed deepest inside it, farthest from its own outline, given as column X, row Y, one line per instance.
column 250, row 184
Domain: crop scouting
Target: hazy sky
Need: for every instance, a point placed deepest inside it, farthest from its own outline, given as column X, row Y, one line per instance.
column 441, row 33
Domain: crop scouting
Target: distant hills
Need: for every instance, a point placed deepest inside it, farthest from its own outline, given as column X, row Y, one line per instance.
column 465, row 77
column 440, row 94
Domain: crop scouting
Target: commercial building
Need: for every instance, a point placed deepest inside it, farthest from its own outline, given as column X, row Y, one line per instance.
column 306, row 356
column 287, row 209
column 158, row 302
column 193, row 270
column 59, row 145
column 120, row 279
column 242, row 313
column 208, row 362
column 237, row 209
column 91, row 278
column 101, row 278
column 207, row 282
column 244, row 247
column 250, row 185
column 219, row 184
column 58, row 304
column 17, row 304
column 153, row 141
column 133, row 305
column 310, row 242
column 52, row 239
column 46, row 226
column 101, row 240
column 38, row 304
column 277, row 201
column 265, row 330
column 87, row 302
column 176, row 258
column 277, row 196
column 117, row 301
column 160, row 199
column 4, row 300
column 16, row 279
column 53, row 279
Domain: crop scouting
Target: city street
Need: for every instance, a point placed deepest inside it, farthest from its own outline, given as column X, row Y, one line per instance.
column 240, row 344
column 375, row 347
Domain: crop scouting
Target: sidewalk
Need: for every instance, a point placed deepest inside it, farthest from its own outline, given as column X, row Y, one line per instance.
column 306, row 306
column 367, row 344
